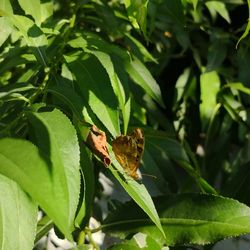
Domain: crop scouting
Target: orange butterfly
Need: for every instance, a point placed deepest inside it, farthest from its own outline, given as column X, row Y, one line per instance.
column 128, row 150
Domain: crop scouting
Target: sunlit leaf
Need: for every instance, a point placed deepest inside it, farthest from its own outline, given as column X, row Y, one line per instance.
column 18, row 213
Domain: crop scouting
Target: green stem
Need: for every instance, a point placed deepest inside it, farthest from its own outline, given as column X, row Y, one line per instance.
column 81, row 238
column 91, row 240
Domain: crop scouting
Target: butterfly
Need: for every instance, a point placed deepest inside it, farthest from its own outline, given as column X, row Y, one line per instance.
column 128, row 150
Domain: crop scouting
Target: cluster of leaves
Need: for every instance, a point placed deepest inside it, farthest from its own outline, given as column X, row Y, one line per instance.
column 67, row 65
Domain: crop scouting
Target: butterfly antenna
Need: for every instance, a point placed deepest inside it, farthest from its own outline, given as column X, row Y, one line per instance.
column 149, row 175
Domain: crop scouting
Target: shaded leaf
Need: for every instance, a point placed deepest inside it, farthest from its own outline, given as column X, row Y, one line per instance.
column 137, row 13
column 33, row 36
column 96, row 89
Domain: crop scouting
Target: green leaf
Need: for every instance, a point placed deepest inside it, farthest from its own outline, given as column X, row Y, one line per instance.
column 46, row 10
column 186, row 219
column 217, row 50
column 5, row 6
column 210, row 85
column 145, row 54
column 57, row 139
column 5, row 29
column 87, row 168
column 195, row 2
column 141, row 75
column 248, row 26
column 139, row 241
column 137, row 192
column 107, row 64
column 18, row 214
column 137, row 13
column 219, row 7
column 50, row 176
column 96, row 89
column 33, row 36
column 43, row 227
column 238, row 86
column 68, row 96
column 32, row 8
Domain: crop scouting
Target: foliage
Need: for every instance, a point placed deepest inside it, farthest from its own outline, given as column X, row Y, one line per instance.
column 168, row 66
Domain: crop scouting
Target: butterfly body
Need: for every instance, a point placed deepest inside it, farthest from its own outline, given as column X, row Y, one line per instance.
column 128, row 151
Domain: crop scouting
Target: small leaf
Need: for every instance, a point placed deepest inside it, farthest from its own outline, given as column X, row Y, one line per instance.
column 141, row 75
column 210, row 85
column 5, row 30
column 218, row 7
column 18, row 214
column 248, row 26
column 32, row 8
column 194, row 2
column 186, row 219
column 238, row 86
column 137, row 13
column 33, row 36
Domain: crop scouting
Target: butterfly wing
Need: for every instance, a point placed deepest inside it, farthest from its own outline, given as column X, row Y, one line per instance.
column 128, row 151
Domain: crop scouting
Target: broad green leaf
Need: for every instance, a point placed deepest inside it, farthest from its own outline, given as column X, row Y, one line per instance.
column 210, row 85
column 141, row 75
column 117, row 86
column 248, row 26
column 33, row 36
column 137, row 13
column 96, row 89
column 219, row 7
column 63, row 152
column 107, row 64
column 32, row 8
column 18, row 214
column 137, row 192
column 186, row 219
column 50, row 176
